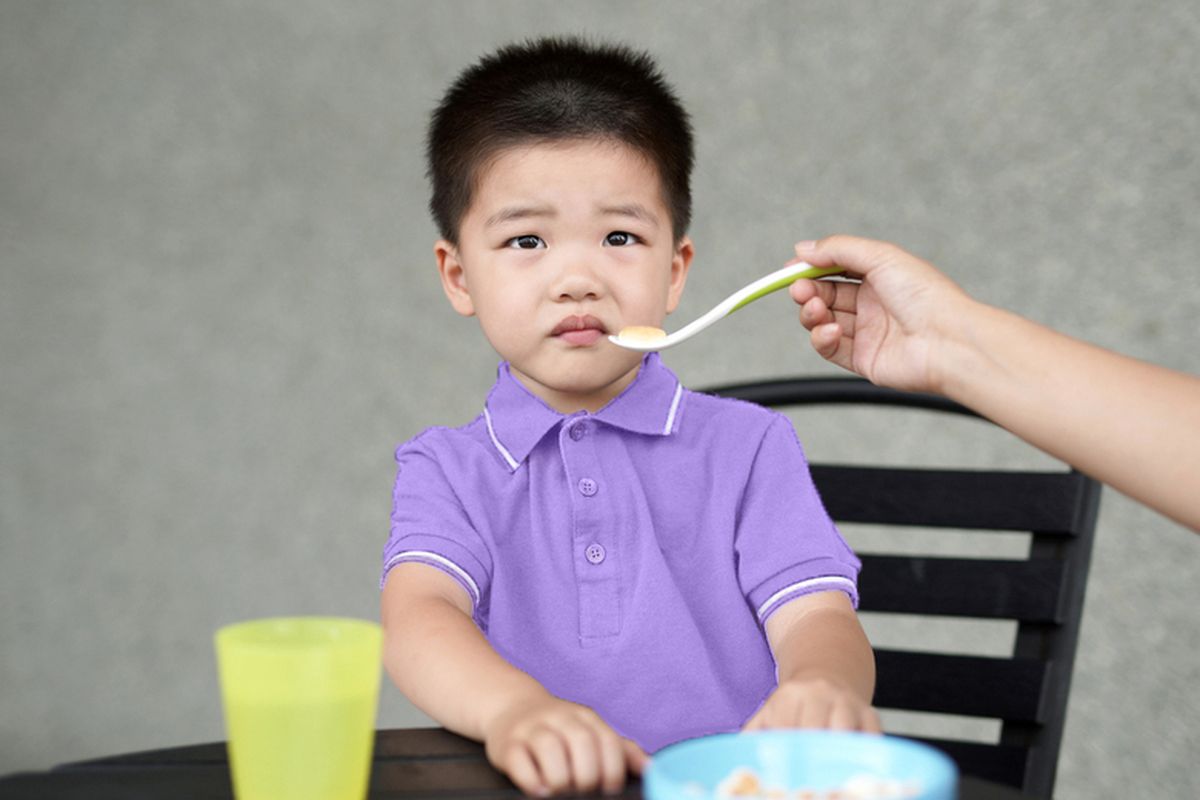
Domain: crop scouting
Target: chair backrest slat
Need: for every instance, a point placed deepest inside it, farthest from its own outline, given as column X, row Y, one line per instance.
column 973, row 686
column 993, row 762
column 1047, row 502
column 962, row 587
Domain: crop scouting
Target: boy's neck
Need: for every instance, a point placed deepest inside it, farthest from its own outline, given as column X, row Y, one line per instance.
column 568, row 403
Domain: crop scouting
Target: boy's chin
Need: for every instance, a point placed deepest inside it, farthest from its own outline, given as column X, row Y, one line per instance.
column 601, row 373
column 587, row 386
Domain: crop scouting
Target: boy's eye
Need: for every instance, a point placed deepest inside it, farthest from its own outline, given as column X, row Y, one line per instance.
column 526, row 242
column 620, row 239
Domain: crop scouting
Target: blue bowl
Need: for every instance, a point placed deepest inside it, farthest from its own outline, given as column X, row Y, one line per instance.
column 792, row 759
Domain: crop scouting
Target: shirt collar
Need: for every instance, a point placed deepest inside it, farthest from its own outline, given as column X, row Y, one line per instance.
column 517, row 419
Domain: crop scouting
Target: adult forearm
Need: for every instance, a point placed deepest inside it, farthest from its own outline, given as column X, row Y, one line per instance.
column 1132, row 425
column 445, row 666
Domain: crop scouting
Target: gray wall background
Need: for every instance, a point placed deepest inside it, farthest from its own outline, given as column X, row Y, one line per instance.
column 219, row 312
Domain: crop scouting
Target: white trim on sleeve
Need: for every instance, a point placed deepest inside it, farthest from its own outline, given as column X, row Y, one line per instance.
column 829, row 581
column 424, row 556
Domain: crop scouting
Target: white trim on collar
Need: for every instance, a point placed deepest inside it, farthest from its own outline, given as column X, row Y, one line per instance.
column 512, row 462
column 674, row 407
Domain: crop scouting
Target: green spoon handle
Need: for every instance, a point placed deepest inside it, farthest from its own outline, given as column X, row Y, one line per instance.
column 786, row 280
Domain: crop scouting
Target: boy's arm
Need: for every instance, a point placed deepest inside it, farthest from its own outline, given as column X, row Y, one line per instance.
column 440, row 659
column 825, row 665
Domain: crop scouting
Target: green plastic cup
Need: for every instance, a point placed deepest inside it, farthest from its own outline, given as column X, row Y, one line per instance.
column 300, row 696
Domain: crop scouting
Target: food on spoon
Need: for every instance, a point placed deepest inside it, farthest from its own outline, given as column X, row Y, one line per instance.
column 642, row 334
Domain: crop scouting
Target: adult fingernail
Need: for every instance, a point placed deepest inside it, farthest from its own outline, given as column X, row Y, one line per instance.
column 807, row 244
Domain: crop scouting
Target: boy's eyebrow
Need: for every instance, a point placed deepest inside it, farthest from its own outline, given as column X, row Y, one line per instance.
column 635, row 210
column 518, row 212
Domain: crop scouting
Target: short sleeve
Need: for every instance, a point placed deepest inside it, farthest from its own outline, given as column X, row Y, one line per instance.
column 431, row 526
column 786, row 543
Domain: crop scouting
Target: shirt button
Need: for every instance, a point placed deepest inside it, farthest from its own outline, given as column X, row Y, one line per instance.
column 587, row 487
column 578, row 431
column 594, row 553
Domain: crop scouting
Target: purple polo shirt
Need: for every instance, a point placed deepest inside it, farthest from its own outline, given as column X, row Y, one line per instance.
column 625, row 559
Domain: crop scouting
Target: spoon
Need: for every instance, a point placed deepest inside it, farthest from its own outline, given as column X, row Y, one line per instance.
column 647, row 339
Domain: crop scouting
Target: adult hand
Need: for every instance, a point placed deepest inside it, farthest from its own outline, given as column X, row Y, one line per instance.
column 1128, row 423
column 892, row 325
column 551, row 746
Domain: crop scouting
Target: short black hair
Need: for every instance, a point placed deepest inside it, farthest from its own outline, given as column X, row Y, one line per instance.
column 555, row 89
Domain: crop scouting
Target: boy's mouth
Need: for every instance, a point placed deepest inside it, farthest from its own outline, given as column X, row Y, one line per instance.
column 579, row 330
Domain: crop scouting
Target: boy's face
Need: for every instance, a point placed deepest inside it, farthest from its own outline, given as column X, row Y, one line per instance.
column 564, row 244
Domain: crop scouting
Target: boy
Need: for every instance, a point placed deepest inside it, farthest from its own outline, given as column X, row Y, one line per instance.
column 602, row 563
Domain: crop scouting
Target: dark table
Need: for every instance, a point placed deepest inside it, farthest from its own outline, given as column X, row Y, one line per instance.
column 408, row 763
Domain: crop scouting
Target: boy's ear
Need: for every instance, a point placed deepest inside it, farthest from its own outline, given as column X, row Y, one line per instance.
column 454, row 278
column 681, row 262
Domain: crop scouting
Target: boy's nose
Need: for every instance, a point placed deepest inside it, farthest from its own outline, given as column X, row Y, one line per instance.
column 577, row 280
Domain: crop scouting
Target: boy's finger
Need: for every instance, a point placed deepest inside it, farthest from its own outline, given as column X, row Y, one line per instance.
column 583, row 753
column 635, row 757
column 776, row 712
column 845, row 717
column 524, row 772
column 813, row 713
column 755, row 722
column 612, row 762
column 549, row 753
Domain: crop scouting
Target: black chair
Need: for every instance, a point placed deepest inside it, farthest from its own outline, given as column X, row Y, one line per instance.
column 1044, row 594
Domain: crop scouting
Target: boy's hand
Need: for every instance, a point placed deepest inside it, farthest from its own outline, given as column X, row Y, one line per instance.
column 814, row 703
column 552, row 746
